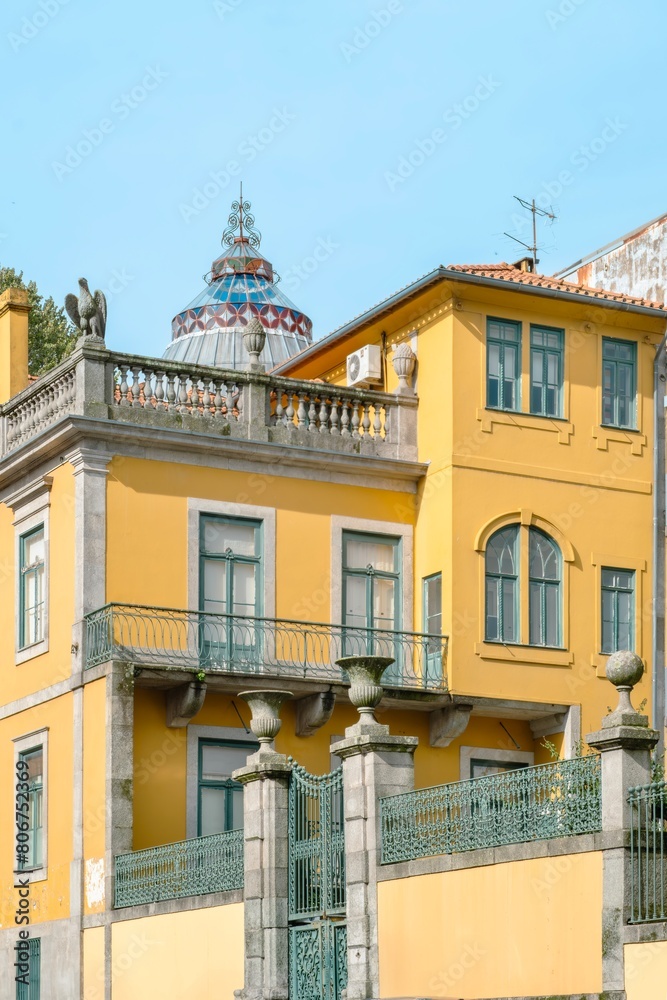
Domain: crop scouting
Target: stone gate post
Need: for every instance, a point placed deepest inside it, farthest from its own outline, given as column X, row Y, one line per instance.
column 625, row 743
column 265, row 891
column 375, row 764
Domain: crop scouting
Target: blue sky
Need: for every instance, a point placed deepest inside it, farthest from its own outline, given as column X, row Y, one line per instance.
column 390, row 136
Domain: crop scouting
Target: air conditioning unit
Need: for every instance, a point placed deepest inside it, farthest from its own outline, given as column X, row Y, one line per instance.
column 364, row 366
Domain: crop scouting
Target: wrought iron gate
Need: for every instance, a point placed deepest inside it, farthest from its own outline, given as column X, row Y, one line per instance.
column 318, row 935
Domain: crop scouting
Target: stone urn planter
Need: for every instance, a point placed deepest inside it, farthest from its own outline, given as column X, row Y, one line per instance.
column 403, row 361
column 365, row 673
column 265, row 707
column 624, row 669
column 254, row 338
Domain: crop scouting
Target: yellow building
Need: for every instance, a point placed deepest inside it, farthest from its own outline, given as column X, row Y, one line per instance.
column 461, row 479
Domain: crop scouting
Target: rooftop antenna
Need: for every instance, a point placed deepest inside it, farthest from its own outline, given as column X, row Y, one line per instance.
column 533, row 208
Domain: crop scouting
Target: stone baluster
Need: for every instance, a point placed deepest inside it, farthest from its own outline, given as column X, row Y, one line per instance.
column 289, row 412
column 159, row 390
column 182, row 393
column 194, row 397
column 366, row 422
column 312, row 415
column 206, row 399
column 344, row 418
column 377, row 422
column 355, row 419
column 170, row 403
column 134, row 388
column 301, row 410
column 123, row 387
column 218, row 400
column 280, row 413
column 334, row 416
column 324, row 415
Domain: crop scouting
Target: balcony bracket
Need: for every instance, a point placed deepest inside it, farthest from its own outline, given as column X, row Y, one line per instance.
column 184, row 702
column 313, row 712
column 445, row 724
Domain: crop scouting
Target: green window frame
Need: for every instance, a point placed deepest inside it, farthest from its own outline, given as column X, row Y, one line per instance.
column 617, row 609
column 34, row 759
column 230, row 586
column 480, row 767
column 32, row 604
column 220, row 793
column 546, row 371
column 32, row 989
column 370, row 590
column 502, row 586
column 503, row 364
column 545, row 590
column 619, row 383
column 432, row 622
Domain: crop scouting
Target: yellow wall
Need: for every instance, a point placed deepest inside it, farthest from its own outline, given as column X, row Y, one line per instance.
column 93, row 963
column 49, row 899
column 646, row 970
column 56, row 664
column 197, row 953
column 519, row 929
column 94, row 781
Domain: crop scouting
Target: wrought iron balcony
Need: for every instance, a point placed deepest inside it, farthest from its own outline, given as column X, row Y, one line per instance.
column 514, row 807
column 187, row 868
column 229, row 644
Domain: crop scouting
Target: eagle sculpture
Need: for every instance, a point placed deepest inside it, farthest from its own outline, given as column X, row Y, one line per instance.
column 88, row 312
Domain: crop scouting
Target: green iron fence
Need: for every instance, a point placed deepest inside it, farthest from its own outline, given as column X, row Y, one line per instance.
column 187, row 868
column 648, row 837
column 531, row 803
column 316, row 844
column 167, row 637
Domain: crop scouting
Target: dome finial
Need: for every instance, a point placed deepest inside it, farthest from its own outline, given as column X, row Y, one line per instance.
column 240, row 220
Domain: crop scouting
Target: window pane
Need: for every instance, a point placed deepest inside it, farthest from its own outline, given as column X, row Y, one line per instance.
column 383, row 603
column 508, row 610
column 245, row 589
column 362, row 552
column 215, row 585
column 433, row 609
column 355, row 601
column 492, row 609
column 212, row 817
column 552, row 620
column 237, row 808
column 219, row 762
column 501, row 551
column 544, row 561
column 535, row 614
column 35, row 761
column 33, row 548
column 219, row 536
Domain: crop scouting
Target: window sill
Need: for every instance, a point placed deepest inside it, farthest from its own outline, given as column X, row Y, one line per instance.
column 546, row 656
column 529, row 421
column 32, row 875
column 30, row 652
column 604, row 433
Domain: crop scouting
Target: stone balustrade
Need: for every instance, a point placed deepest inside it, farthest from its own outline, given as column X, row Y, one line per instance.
column 246, row 405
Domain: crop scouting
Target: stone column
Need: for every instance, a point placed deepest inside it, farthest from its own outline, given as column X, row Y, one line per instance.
column 625, row 743
column 375, row 764
column 265, row 889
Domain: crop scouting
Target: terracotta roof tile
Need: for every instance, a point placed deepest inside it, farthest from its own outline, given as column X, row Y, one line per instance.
column 513, row 275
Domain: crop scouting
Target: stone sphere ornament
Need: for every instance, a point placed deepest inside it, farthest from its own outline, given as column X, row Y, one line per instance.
column 624, row 669
column 265, row 708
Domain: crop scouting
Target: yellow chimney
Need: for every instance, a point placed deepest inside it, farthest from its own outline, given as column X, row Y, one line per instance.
column 14, row 311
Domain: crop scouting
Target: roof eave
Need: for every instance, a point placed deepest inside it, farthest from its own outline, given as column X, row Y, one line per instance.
column 447, row 274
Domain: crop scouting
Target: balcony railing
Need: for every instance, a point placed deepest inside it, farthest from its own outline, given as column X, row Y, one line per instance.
column 531, row 803
column 187, row 868
column 648, row 843
column 164, row 637
column 234, row 404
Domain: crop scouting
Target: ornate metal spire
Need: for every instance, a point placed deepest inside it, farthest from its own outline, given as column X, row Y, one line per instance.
column 242, row 222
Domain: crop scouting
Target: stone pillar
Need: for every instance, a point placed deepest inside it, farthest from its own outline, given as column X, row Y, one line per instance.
column 625, row 743
column 375, row 764
column 265, row 822
column 14, row 310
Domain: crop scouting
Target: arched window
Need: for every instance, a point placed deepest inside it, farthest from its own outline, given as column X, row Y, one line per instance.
column 512, row 554
column 545, row 590
column 502, row 585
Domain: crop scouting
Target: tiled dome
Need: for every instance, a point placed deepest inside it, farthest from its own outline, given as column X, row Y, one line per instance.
column 241, row 287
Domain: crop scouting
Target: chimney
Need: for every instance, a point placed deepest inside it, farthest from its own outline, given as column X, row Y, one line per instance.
column 14, row 311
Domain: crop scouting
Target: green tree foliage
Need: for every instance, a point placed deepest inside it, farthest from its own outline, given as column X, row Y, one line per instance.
column 51, row 336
